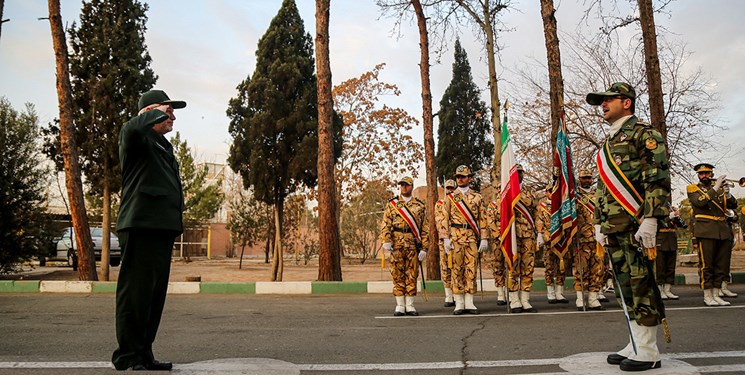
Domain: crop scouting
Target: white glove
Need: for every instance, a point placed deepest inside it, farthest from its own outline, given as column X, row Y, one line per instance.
column 540, row 240
column 387, row 246
column 448, row 245
column 483, row 246
column 720, row 182
column 600, row 237
column 422, row 255
column 673, row 215
column 647, row 233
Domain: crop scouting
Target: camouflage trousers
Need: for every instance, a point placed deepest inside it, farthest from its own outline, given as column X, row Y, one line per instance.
column 464, row 267
column 713, row 261
column 404, row 266
column 444, row 269
column 498, row 267
column 553, row 264
column 589, row 270
column 636, row 280
column 521, row 277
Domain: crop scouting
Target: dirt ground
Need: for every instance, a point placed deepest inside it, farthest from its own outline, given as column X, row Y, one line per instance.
column 226, row 270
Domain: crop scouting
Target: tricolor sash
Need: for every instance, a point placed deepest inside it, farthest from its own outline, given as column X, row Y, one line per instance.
column 587, row 204
column 467, row 214
column 520, row 207
column 408, row 218
column 617, row 184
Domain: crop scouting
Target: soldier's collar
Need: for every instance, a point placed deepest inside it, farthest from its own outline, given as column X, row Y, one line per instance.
column 621, row 123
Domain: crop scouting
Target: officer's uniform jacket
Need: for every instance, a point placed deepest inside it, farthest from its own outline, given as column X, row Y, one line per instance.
column 710, row 220
column 440, row 218
column 152, row 196
column 523, row 227
column 639, row 151
column 492, row 220
column 455, row 223
column 397, row 231
column 585, row 216
column 543, row 223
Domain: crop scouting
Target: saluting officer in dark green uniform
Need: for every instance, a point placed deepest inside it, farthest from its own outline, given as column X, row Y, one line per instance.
column 632, row 193
column 149, row 221
column 711, row 207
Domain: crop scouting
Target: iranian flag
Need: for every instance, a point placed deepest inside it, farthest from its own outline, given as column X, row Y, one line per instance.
column 508, row 196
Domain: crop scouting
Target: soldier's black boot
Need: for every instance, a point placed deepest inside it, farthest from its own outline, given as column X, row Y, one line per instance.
column 632, row 365
column 615, row 359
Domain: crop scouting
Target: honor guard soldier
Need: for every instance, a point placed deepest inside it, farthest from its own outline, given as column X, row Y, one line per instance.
column 525, row 231
column 711, row 208
column 589, row 269
column 465, row 235
column 667, row 252
column 404, row 237
column 553, row 261
column 631, row 195
column 498, row 266
column 445, row 258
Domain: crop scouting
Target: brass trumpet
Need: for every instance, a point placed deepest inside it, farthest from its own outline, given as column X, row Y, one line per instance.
column 740, row 182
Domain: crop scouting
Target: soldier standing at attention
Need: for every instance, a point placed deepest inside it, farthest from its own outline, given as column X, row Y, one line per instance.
column 525, row 231
column 711, row 207
column 404, row 237
column 589, row 270
column 632, row 193
column 463, row 228
column 498, row 266
column 667, row 252
column 552, row 260
column 445, row 253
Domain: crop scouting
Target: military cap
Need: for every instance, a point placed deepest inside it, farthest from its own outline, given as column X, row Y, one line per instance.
column 519, row 167
column 406, row 180
column 450, row 184
column 463, row 170
column 616, row 89
column 584, row 173
column 158, row 97
column 703, row 167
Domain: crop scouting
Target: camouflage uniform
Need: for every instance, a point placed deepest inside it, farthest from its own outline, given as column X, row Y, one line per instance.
column 667, row 251
column 403, row 259
column 464, row 239
column 498, row 266
column 590, row 270
column 521, row 277
column 553, row 263
column 439, row 223
column 639, row 151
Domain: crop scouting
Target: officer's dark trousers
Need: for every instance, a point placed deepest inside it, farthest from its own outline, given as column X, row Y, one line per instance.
column 666, row 267
column 713, row 261
column 141, row 293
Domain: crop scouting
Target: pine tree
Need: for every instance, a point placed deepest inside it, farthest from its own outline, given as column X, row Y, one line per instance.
column 110, row 68
column 464, row 124
column 274, row 119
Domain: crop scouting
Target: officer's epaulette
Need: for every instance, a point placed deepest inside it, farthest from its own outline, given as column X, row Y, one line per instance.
column 692, row 188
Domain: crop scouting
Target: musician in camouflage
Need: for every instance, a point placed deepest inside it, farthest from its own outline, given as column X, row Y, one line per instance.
column 403, row 249
column 464, row 233
column 634, row 162
column 712, row 206
column 445, row 259
column 589, row 270
column 553, row 261
column 498, row 265
column 521, row 277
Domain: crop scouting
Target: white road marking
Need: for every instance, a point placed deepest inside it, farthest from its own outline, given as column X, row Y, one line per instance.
column 582, row 363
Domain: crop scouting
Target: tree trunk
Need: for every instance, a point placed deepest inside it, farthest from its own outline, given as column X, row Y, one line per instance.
column 556, row 82
column 493, row 94
column 433, row 258
column 277, row 258
column 86, row 260
column 329, row 261
column 652, row 64
column 106, row 226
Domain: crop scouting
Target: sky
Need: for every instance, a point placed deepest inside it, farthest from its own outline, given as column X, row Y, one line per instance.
column 202, row 50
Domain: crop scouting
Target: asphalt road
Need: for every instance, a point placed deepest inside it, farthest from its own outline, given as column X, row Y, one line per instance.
column 357, row 334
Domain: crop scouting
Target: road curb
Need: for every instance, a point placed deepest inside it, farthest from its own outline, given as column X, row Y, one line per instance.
column 287, row 287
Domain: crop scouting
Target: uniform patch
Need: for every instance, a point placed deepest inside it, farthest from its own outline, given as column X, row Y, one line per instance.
column 651, row 143
column 618, row 159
